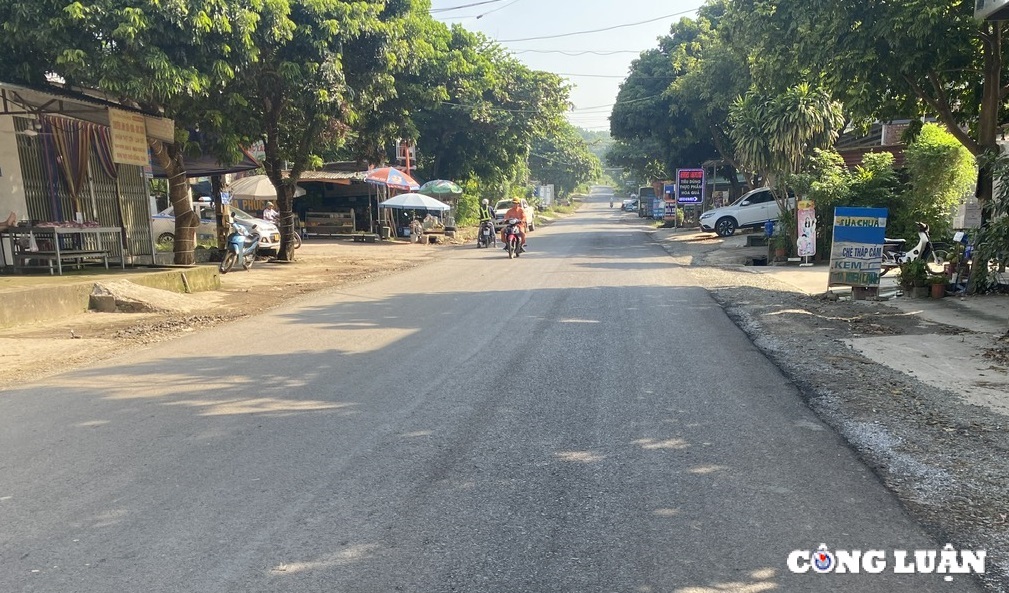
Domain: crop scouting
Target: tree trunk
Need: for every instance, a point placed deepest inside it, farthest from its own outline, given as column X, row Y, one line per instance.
column 988, row 125
column 169, row 156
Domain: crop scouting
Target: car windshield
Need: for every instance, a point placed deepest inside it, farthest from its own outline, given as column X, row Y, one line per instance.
column 503, row 205
column 242, row 214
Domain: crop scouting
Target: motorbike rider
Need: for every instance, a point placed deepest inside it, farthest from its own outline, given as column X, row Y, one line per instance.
column 487, row 216
column 270, row 214
column 516, row 211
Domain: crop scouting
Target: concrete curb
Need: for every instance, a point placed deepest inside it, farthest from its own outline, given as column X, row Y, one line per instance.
column 26, row 306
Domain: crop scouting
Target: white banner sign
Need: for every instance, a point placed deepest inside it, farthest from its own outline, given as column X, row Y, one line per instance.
column 129, row 138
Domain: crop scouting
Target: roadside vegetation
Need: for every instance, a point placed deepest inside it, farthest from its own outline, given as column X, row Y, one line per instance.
column 763, row 89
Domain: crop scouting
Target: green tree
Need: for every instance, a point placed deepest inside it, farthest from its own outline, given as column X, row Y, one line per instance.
column 563, row 159
column 774, row 135
column 941, row 172
column 321, row 63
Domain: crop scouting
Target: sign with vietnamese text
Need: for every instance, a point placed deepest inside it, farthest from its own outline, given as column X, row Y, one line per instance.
column 129, row 138
column 857, row 253
column 161, row 128
column 658, row 208
column 690, row 186
column 670, row 210
column 806, row 216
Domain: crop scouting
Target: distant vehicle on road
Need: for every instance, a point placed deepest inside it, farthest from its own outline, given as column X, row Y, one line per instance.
column 630, row 205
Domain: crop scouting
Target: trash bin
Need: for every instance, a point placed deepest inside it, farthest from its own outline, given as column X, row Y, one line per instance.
column 769, row 228
column 385, row 233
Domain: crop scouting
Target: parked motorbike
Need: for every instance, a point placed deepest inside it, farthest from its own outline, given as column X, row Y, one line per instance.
column 894, row 253
column 485, row 236
column 513, row 238
column 242, row 247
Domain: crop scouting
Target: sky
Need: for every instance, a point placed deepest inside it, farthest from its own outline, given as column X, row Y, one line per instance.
column 595, row 78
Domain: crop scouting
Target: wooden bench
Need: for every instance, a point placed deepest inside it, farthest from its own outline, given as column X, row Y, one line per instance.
column 55, row 261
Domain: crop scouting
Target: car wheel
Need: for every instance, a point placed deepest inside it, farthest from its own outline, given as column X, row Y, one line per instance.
column 725, row 227
column 166, row 238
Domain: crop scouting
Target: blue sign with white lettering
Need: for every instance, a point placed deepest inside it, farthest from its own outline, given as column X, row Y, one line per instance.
column 856, row 256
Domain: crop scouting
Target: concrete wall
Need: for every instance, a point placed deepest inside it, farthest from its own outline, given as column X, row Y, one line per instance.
column 34, row 304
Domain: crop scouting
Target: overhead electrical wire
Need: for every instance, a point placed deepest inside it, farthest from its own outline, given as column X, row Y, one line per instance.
column 579, row 52
column 461, row 6
column 586, row 32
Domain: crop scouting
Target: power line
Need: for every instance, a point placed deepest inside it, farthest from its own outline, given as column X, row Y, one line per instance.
column 574, row 52
column 599, row 30
column 497, row 9
column 461, row 6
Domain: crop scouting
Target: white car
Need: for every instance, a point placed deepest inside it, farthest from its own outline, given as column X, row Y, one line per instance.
column 163, row 226
column 503, row 206
column 752, row 210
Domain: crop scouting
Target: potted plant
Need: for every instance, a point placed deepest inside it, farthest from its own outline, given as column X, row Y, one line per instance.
column 780, row 244
column 914, row 277
column 938, row 283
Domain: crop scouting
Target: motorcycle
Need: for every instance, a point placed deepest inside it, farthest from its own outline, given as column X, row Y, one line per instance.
column 242, row 247
column 485, row 235
column 894, row 253
column 611, row 203
column 513, row 238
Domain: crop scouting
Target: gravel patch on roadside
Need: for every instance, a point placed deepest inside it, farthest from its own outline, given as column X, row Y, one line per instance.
column 947, row 461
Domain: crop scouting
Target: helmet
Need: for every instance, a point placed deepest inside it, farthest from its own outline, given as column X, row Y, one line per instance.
column 516, row 201
column 269, row 204
column 486, row 201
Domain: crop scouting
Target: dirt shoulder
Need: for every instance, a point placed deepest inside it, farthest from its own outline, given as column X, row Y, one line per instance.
column 31, row 352
column 945, row 458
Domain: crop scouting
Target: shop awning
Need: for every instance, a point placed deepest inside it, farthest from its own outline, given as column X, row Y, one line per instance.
column 208, row 166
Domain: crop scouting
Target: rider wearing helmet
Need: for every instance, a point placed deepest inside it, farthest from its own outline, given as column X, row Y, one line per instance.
column 486, row 212
column 516, row 211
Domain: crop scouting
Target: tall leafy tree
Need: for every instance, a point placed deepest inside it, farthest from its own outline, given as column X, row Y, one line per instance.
column 321, row 63
column 563, row 159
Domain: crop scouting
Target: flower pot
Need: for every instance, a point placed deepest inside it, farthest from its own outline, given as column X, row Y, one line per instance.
column 920, row 292
column 938, row 291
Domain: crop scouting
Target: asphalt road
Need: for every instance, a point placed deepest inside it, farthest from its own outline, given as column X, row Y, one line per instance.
column 581, row 419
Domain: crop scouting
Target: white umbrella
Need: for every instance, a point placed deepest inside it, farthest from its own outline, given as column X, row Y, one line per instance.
column 414, row 202
column 257, row 187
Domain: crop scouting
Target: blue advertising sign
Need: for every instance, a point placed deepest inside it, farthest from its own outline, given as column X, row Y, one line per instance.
column 690, row 186
column 857, row 253
column 669, row 192
column 658, row 208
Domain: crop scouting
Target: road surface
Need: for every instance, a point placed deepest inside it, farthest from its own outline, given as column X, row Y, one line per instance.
column 579, row 420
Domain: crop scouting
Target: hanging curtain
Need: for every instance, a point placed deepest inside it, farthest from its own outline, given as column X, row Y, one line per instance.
column 50, row 167
column 72, row 140
column 102, row 138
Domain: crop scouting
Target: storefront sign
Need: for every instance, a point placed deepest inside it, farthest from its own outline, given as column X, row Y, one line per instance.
column 806, row 215
column 670, row 213
column 129, row 138
column 690, row 186
column 658, row 208
column 161, row 128
column 857, row 253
